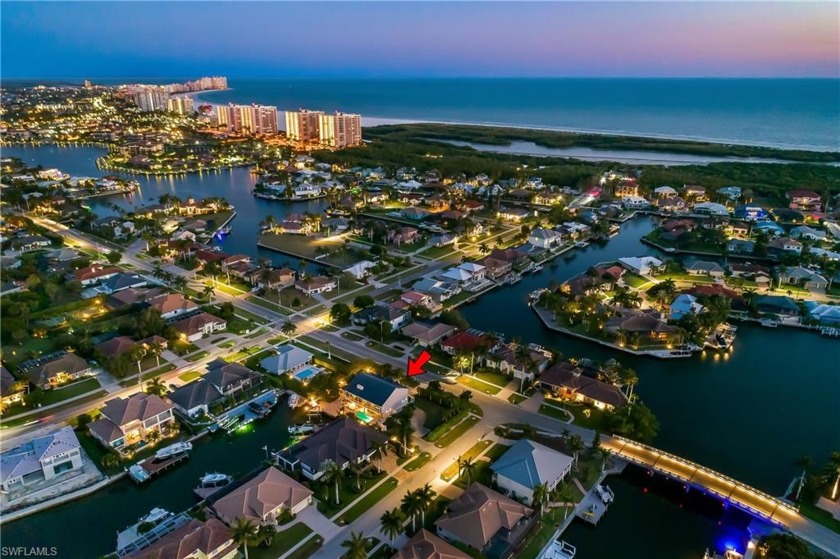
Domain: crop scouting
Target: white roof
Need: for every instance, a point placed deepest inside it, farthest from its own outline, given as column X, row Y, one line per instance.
column 359, row 267
column 639, row 262
column 665, row 190
column 712, row 207
column 287, row 357
column 471, row 267
column 457, row 274
column 27, row 458
column 543, row 233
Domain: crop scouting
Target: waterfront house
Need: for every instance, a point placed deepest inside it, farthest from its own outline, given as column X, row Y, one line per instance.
column 435, row 288
column 805, row 200
column 730, row 192
column 748, row 271
column 495, row 269
column 316, row 285
column 694, row 191
column 426, row 545
column 802, row 277
column 287, row 360
column 778, row 305
column 684, row 304
column 545, row 238
column 646, row 323
column 740, row 246
column 783, row 245
column 671, row 204
column 705, row 268
column 372, row 397
column 360, row 270
column 808, row 233
column 515, row 258
column 470, row 340
column 417, row 299
column 673, row 229
column 527, row 464
column 127, row 421
column 210, row 539
column 567, row 381
column 197, row 326
column 665, row 192
column 486, row 521
column 394, row 316
column 466, row 274
column 271, row 278
column 40, row 459
column 642, row 265
column 171, row 305
column 55, row 369
column 768, row 227
column 522, row 363
column 634, row 203
column 263, row 499
column 427, row 334
column 626, row 187
column 712, row 209
column 221, row 381
column 11, row 390
column 343, row 441
column 824, row 314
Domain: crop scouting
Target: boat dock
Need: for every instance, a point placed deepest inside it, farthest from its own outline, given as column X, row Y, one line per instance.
column 204, row 492
column 830, row 332
column 595, row 504
column 131, row 540
column 149, row 467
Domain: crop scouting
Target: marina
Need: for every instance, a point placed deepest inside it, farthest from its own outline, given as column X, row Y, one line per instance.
column 163, row 460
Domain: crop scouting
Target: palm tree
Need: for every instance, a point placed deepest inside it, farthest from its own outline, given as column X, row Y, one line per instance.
column 425, row 498
column 466, row 466
column 245, row 533
column 410, row 505
column 393, row 523
column 208, row 292
column 179, row 283
column 356, row 546
column 805, row 464
column 156, row 387
column 540, row 497
column 288, row 329
column 356, row 470
column 136, row 355
column 155, row 348
column 380, row 448
column 630, row 379
column 332, row 474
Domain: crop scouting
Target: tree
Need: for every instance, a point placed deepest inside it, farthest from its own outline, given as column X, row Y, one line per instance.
column 363, row 301
column 380, row 449
column 805, row 464
column 332, row 475
column 410, row 505
column 136, row 355
column 393, row 523
column 539, row 497
column 356, row 546
column 208, row 292
column 425, row 498
column 266, row 532
column 156, row 387
column 340, row 313
column 288, row 329
column 245, row 533
column 466, row 467
column 114, row 257
column 783, row 546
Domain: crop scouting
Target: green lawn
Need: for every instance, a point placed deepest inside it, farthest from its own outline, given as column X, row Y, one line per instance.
column 307, row 549
column 418, row 462
column 283, row 542
column 479, row 385
column 226, row 344
column 452, row 470
column 434, row 412
column 71, row 390
column 351, row 336
column 635, row 281
column 455, row 433
column 554, row 412
column 496, row 451
column 190, row 375
column 366, row 502
column 546, row 526
column 182, row 348
column 819, row 515
column 516, row 398
column 597, row 418
column 437, row 252
column 347, row 492
column 196, row 356
column 267, row 304
column 382, row 348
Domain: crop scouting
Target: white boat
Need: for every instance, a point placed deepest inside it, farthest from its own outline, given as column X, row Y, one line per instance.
column 769, row 322
column 128, row 536
column 581, row 244
column 173, row 450
column 301, row 429
column 214, row 480
column 605, row 494
column 293, row 400
column 155, row 516
column 538, row 268
column 138, row 474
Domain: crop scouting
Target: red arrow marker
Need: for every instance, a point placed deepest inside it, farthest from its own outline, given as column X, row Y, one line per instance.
column 416, row 367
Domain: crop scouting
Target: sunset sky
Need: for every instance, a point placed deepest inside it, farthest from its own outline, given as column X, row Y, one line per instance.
column 395, row 39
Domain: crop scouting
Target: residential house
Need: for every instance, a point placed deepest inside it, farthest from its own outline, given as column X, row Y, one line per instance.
column 778, row 305
column 360, row 270
column 222, row 380
column 740, row 246
column 515, row 215
column 55, row 369
column 93, row 273
column 547, row 198
column 671, row 204
column 684, row 304
column 494, row 268
column 694, row 191
column 416, row 214
column 750, row 212
column 263, row 499
column 626, row 187
column 272, row 278
column 665, row 192
column 316, row 285
column 673, row 229
column 705, row 268
column 466, row 274
column 486, row 520
column 210, row 539
column 344, row 441
column 127, row 421
column 40, row 459
column 417, row 299
column 808, row 233
column 545, row 238
column 171, row 305
column 115, row 347
column 643, row 323
column 730, row 192
column 426, row 545
column 712, row 209
column 469, row 340
column 824, row 314
column 520, row 362
column 634, row 202
column 11, row 391
column 802, row 277
column 806, row 200
column 287, row 360
column 567, row 381
column 515, row 258
column 373, row 397
column 403, row 236
column 199, row 325
column 427, row 334
column 642, row 265
column 30, row 242
column 750, row 271
column 527, row 464
column 438, row 289
column 768, row 227
column 784, row 245
column 395, row 317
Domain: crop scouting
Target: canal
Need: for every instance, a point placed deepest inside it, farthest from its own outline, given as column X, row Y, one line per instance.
column 750, row 415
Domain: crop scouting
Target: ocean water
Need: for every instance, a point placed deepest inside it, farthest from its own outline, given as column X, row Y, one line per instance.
column 787, row 113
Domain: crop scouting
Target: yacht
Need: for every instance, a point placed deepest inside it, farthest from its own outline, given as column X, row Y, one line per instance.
column 214, row 480
column 301, row 429
column 769, row 322
column 537, row 268
column 173, row 450
column 605, row 494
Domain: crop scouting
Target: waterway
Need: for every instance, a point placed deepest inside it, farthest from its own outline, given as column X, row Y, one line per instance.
column 750, row 415
column 88, row 527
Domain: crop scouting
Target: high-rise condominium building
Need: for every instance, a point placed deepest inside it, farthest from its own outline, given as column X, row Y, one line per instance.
column 180, row 105
column 151, row 98
column 253, row 119
column 340, row 130
column 303, row 125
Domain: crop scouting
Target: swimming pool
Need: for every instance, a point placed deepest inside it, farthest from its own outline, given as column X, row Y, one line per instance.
column 363, row 417
column 306, row 373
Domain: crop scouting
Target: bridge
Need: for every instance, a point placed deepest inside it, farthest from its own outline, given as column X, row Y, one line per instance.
column 772, row 509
